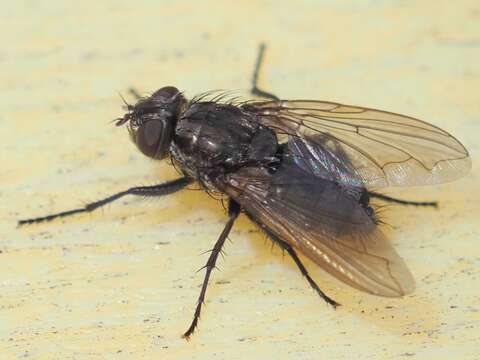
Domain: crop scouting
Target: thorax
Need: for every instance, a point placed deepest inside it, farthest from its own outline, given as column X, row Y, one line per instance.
column 212, row 138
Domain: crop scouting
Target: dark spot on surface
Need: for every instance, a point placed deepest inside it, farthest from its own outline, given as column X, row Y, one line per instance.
column 222, row 282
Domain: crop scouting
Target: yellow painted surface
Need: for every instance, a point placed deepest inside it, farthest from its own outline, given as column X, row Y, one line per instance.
column 121, row 283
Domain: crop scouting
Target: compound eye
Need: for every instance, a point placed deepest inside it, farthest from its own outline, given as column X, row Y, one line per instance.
column 152, row 139
column 166, row 94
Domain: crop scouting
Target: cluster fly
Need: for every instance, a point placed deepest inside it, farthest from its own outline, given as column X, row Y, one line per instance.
column 302, row 170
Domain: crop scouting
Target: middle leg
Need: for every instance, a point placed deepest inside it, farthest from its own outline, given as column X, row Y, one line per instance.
column 233, row 212
column 255, row 90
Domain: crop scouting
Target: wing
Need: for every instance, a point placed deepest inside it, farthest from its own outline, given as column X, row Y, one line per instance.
column 379, row 148
column 324, row 222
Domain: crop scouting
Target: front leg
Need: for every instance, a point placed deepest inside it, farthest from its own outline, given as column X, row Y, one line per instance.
column 146, row 191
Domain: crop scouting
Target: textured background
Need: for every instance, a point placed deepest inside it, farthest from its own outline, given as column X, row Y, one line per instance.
column 121, row 283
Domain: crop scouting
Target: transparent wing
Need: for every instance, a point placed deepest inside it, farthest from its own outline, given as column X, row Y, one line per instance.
column 325, row 223
column 365, row 146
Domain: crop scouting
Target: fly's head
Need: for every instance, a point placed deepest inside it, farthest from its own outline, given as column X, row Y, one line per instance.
column 151, row 121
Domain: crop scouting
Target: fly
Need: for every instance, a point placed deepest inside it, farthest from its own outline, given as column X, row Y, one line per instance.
column 302, row 170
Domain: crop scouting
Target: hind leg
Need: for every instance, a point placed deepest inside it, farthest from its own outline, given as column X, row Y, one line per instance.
column 402, row 202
